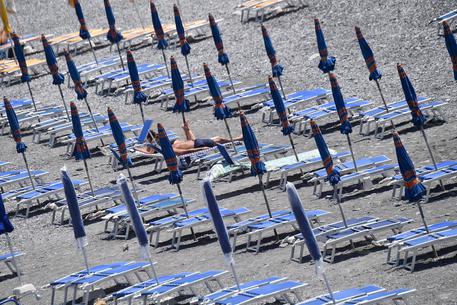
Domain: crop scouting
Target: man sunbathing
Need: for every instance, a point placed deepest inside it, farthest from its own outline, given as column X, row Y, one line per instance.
column 190, row 145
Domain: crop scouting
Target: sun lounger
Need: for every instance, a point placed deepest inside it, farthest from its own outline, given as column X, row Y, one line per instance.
column 279, row 291
column 293, row 100
column 256, row 91
column 102, row 274
column 25, row 196
column 18, row 105
column 326, row 230
column 366, row 231
column 26, row 119
column 59, row 41
column 3, row 163
column 379, row 297
column 10, row 73
column 21, row 177
column 432, row 110
column 159, row 293
column 368, row 117
column 261, row 7
column 256, row 230
column 449, row 17
column 342, row 295
column 77, row 42
column 7, row 258
column 86, row 71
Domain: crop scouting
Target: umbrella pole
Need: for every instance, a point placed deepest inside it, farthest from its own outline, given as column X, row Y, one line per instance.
column 142, row 112
column 120, row 55
column 28, row 170
column 13, row 258
column 133, row 184
column 31, row 96
column 338, row 202
column 91, row 115
column 329, row 289
column 352, row 152
column 384, row 101
column 230, row 79
column 88, row 177
column 184, row 206
column 86, row 262
column 63, row 102
column 419, row 206
column 235, row 276
column 154, row 273
column 293, row 147
column 430, row 153
column 282, row 88
column 230, row 135
column 165, row 61
column 92, row 50
column 262, row 187
column 190, row 76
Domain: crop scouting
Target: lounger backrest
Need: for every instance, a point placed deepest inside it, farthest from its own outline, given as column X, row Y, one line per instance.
column 144, row 131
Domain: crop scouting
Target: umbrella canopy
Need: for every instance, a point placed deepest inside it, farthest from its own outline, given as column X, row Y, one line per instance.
column 271, row 52
column 368, row 56
column 185, row 47
column 222, row 56
column 218, row 222
column 4, row 15
column 81, row 93
column 418, row 118
column 5, row 224
column 182, row 104
column 221, row 111
column 332, row 174
column 83, row 31
column 57, row 78
column 114, row 36
column 81, row 151
column 158, row 30
column 138, row 96
column 305, row 227
column 345, row 125
column 280, row 108
column 252, row 147
column 19, row 52
column 135, row 217
column 119, row 137
column 414, row 189
column 451, row 46
column 327, row 63
column 14, row 126
column 169, row 155
column 73, row 208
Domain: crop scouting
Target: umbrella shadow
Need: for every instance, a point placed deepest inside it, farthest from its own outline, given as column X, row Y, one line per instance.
column 284, row 11
column 240, row 191
column 203, row 238
column 430, row 124
column 267, row 243
column 354, row 192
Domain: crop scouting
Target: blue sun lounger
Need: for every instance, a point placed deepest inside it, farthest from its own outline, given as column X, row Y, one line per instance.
column 379, row 297
column 26, row 119
column 86, row 70
column 279, row 291
column 446, row 17
column 159, row 293
column 86, row 282
column 21, row 177
column 342, row 295
column 7, row 258
column 18, row 105
column 259, row 90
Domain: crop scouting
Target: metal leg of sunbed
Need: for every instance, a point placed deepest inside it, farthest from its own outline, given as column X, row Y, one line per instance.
column 53, row 295
column 10, row 266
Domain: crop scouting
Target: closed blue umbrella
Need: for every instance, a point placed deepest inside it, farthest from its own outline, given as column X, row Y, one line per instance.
column 327, row 63
column 276, row 68
column 418, row 119
column 75, row 214
column 345, row 125
column 16, row 133
column 83, row 30
column 182, row 104
column 80, row 151
column 113, row 36
column 307, row 232
column 57, row 78
column 137, row 222
column 219, row 226
column 368, row 55
column 25, row 76
column 185, row 47
column 138, row 96
column 162, row 43
column 451, row 46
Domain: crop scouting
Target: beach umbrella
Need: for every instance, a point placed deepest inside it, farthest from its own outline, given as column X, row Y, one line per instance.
column 119, row 137
column 57, row 78
column 137, row 222
column 80, row 151
column 21, row 148
column 162, row 43
column 282, row 113
column 81, row 93
column 222, row 57
column 184, row 44
column 418, row 119
column 333, row 175
column 182, row 104
column 327, row 63
column 271, row 52
column 221, row 111
column 345, row 125
column 308, row 234
column 83, row 30
column 219, row 226
column 451, row 46
column 7, row 227
column 75, row 215
column 252, row 147
column 138, row 96
column 370, row 61
column 25, row 76
column 4, row 15
column 113, row 36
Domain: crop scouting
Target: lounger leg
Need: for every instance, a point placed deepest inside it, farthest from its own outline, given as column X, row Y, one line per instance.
column 53, row 295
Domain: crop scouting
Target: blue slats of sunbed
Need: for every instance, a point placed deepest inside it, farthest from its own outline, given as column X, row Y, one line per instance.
column 247, row 222
column 246, row 94
column 415, row 232
column 342, row 295
column 380, row 295
column 6, row 256
column 300, row 95
column 172, row 219
column 188, row 280
column 431, row 238
column 43, row 189
column 111, row 272
column 285, row 218
column 441, row 165
column 81, row 274
column 224, row 213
